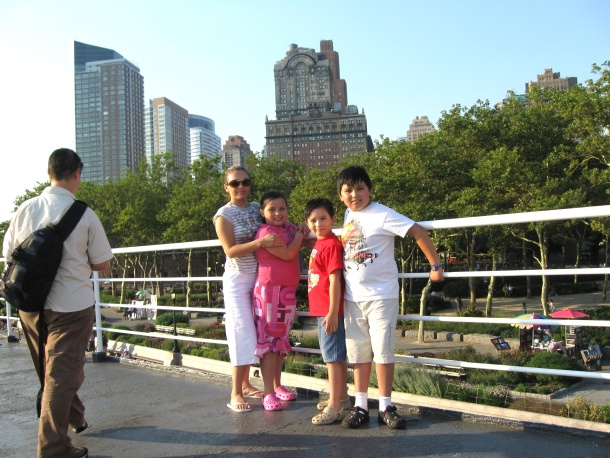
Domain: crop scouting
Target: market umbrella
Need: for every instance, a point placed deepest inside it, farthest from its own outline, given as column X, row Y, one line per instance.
column 143, row 293
column 569, row 314
column 533, row 316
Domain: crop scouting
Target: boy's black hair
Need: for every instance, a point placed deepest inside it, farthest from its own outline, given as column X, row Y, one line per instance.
column 272, row 195
column 353, row 175
column 319, row 202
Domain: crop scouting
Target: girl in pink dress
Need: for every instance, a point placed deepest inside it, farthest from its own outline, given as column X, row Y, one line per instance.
column 274, row 296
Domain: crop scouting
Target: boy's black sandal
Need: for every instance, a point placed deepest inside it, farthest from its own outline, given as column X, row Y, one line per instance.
column 391, row 418
column 355, row 418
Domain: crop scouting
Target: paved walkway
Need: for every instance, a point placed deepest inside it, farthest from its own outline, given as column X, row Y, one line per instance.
column 137, row 412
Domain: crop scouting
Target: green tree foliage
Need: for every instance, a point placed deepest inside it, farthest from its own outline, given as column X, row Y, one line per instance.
column 548, row 152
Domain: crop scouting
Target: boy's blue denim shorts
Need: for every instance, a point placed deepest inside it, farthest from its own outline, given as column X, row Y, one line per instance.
column 332, row 345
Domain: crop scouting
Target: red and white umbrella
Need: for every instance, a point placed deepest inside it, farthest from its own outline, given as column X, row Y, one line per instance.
column 569, row 314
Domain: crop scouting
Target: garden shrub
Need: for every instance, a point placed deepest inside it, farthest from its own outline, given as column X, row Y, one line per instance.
column 168, row 345
column 299, row 364
column 551, row 360
column 211, row 351
column 467, row 392
column 606, row 410
column 113, row 335
column 582, row 409
column 457, row 287
column 212, row 331
column 416, row 380
column 130, row 339
column 167, row 319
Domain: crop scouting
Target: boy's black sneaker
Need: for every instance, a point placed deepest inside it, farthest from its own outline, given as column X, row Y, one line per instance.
column 356, row 417
column 391, row 418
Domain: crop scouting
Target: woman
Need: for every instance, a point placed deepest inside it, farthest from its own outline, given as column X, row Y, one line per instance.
column 236, row 225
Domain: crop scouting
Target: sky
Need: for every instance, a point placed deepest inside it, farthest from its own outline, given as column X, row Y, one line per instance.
column 400, row 59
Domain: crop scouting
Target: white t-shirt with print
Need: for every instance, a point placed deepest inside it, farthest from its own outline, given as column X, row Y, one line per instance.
column 368, row 236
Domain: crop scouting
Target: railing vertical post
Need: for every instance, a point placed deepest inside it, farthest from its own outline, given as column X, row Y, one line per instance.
column 9, row 324
column 100, row 351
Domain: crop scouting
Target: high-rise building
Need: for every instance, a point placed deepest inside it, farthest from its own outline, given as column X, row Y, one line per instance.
column 419, row 127
column 235, row 151
column 167, row 129
column 109, row 113
column 552, row 80
column 315, row 125
column 204, row 140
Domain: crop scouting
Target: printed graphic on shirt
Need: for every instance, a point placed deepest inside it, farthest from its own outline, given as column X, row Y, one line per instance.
column 313, row 279
column 355, row 249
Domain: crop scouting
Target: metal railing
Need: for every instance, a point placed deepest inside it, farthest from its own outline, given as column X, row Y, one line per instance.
column 514, row 218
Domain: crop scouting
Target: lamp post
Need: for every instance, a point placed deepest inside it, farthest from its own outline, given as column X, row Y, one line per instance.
column 176, row 347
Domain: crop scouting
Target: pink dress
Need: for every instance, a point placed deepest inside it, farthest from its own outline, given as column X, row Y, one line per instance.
column 274, row 296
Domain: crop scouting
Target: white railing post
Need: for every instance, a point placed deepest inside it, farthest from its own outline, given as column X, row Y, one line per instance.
column 9, row 323
column 100, row 351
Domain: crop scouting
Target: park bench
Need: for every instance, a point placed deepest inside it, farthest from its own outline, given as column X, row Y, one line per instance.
column 170, row 330
column 452, row 372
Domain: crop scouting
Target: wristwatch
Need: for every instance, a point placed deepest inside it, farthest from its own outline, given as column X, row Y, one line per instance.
column 436, row 266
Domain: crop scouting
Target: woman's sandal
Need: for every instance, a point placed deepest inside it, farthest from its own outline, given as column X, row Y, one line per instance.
column 285, row 395
column 240, row 407
column 328, row 416
column 346, row 404
column 270, row 402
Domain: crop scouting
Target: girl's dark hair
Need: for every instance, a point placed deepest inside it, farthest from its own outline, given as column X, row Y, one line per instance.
column 272, row 195
column 319, row 202
column 353, row 175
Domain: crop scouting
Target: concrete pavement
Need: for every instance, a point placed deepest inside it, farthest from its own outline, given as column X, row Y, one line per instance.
column 138, row 412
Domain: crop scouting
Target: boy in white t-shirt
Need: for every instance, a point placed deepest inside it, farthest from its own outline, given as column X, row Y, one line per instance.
column 372, row 290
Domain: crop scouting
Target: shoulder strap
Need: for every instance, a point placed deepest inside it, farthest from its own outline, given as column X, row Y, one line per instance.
column 69, row 221
column 65, row 227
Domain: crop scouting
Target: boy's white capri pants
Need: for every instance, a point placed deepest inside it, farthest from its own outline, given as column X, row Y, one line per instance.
column 370, row 330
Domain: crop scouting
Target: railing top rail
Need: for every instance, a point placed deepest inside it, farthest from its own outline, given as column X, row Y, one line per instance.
column 519, row 218
column 453, row 223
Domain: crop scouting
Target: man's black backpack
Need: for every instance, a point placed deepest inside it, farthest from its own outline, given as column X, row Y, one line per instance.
column 28, row 278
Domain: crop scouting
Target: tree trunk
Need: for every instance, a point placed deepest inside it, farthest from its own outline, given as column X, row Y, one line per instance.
column 472, row 284
column 528, row 280
column 544, row 256
column 606, row 264
column 422, row 310
column 490, row 288
column 189, row 284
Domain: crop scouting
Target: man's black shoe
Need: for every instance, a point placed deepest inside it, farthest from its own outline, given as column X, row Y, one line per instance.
column 81, row 428
column 81, row 452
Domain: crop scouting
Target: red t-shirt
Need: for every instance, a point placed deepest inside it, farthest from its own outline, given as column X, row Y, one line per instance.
column 326, row 257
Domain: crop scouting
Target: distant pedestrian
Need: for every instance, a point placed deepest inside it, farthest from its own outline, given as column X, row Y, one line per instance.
column 551, row 306
column 524, row 309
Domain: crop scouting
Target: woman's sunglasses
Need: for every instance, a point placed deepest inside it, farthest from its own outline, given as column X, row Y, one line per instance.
column 235, row 183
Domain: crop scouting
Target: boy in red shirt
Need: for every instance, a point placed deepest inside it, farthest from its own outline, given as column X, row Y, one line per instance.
column 326, row 289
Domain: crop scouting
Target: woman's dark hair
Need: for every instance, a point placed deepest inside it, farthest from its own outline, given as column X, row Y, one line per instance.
column 236, row 168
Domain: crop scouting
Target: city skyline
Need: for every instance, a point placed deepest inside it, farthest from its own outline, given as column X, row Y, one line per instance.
column 401, row 60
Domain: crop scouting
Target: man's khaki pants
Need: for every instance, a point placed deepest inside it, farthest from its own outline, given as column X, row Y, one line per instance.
column 67, row 336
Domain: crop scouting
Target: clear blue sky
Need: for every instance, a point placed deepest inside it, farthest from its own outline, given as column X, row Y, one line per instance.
column 400, row 58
